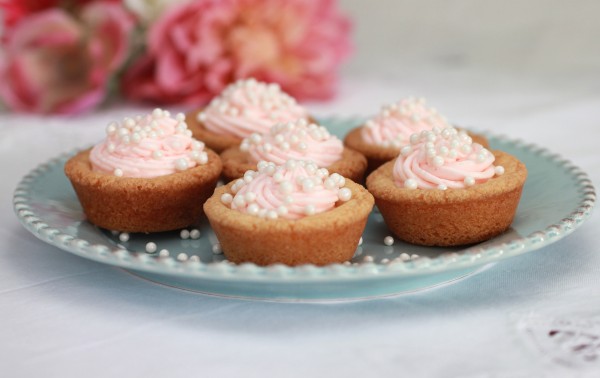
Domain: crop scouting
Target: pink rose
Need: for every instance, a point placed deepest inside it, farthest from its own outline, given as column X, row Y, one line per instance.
column 197, row 48
column 56, row 63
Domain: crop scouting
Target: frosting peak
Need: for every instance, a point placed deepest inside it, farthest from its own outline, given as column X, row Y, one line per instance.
column 395, row 123
column 292, row 191
column 442, row 159
column 249, row 106
column 148, row 146
column 294, row 140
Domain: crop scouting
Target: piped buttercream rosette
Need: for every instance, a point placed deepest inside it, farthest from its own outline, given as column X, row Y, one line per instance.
column 248, row 106
column 292, row 191
column 148, row 146
column 297, row 140
column 396, row 122
column 442, row 159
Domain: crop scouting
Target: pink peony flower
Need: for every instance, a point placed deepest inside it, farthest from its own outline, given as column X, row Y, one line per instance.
column 197, row 48
column 56, row 63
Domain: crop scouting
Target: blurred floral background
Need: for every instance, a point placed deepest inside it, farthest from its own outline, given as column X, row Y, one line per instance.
column 71, row 56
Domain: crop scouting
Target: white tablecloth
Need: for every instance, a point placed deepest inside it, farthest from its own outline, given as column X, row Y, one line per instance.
column 64, row 316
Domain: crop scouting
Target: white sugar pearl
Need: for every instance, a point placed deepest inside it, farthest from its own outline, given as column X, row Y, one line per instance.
column 404, row 151
column 195, row 234
column 151, row 247
column 111, row 128
column 250, row 197
column 286, row 187
column 201, row 117
column 164, row 253
column 180, row 117
column 307, row 185
column 124, row 237
column 156, row 154
column 442, row 187
column 388, row 240
column 184, row 234
column 111, row 147
column 410, row 184
column 182, row 256
column 253, row 209
column 344, row 194
column 216, row 249
column 499, row 170
column 203, row 158
column 226, row 198
column 157, row 113
column 118, row 172
column 181, row 164
column 195, row 258
column 469, row 181
column 438, row 161
column 239, row 201
column 309, row 209
column 272, row 214
column 282, row 210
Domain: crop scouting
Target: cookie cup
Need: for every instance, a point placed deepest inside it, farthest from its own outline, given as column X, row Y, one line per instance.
column 321, row 239
column 143, row 204
column 378, row 155
column 352, row 164
column 451, row 217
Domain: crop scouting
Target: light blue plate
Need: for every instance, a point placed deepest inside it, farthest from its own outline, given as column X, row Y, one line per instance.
column 557, row 198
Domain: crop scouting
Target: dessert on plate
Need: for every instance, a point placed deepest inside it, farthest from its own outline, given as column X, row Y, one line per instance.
column 445, row 190
column 148, row 175
column 381, row 137
column 299, row 140
column 293, row 214
column 244, row 107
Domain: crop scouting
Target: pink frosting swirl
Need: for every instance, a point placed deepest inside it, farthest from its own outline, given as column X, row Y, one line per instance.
column 295, row 140
column 248, row 106
column 148, row 146
column 397, row 122
column 443, row 159
column 291, row 191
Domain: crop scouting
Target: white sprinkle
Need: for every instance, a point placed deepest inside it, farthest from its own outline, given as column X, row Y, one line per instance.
column 388, row 240
column 309, row 209
column 469, row 181
column 216, row 249
column 182, row 256
column 151, row 247
column 181, row 164
column 442, row 187
column 226, row 198
column 499, row 170
column 164, row 253
column 360, row 241
column 156, row 154
column 368, row 258
column 404, row 256
column 195, row 234
column 180, row 117
column 157, row 113
column 184, row 234
column 253, row 209
column 344, row 194
column 124, row 236
column 118, row 172
column 195, row 258
column 410, row 184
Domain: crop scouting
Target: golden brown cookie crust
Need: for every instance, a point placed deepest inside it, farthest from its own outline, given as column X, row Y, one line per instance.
column 377, row 155
column 321, row 239
column 143, row 204
column 352, row 165
column 450, row 217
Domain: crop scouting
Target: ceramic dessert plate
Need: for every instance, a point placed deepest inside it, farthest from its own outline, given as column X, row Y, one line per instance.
column 557, row 198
